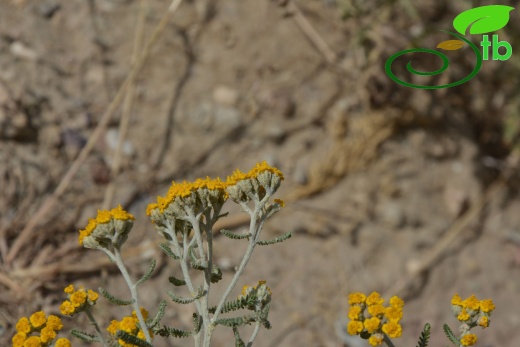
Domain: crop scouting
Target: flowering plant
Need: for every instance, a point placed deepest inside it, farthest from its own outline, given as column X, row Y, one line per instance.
column 185, row 218
column 382, row 323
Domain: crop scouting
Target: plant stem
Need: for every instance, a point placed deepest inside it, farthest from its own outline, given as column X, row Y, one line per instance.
column 133, row 291
column 388, row 341
column 253, row 336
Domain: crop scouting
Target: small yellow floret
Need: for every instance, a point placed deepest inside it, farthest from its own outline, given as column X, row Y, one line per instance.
column 483, row 321
column 372, row 324
column 69, row 289
column 394, row 313
column 33, row 341
column 374, row 299
column 392, row 329
column 128, row 324
column 120, row 214
column 92, row 295
column 47, row 334
column 376, row 310
column 471, row 303
column 67, row 308
column 38, row 319
column 18, row 339
column 354, row 312
column 396, row 301
column 54, row 323
column 463, row 315
column 23, row 325
column 356, row 298
column 78, row 298
column 456, row 300
column 113, row 327
column 354, row 327
column 487, row 305
column 468, row 340
column 375, row 340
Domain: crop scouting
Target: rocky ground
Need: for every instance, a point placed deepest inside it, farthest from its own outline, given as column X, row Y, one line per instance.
column 392, row 189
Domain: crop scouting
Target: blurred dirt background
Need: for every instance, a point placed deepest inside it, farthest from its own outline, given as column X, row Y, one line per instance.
column 398, row 190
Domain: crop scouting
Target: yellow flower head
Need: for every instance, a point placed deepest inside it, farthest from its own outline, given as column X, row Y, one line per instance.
column 19, row 339
column 67, row 308
column 392, row 329
column 354, row 327
column 47, row 335
column 372, row 324
column 463, row 316
column 32, row 341
column 354, row 312
column 38, row 319
column 78, row 298
column 483, row 321
column 471, row 303
column 487, row 305
column 456, row 300
column 257, row 181
column 105, row 225
column 376, row 310
column 375, row 340
column 396, row 301
column 394, row 314
column 356, row 298
column 54, row 323
column 374, row 299
column 468, row 340
column 23, row 326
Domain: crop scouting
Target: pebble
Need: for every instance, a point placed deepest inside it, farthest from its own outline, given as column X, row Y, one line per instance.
column 225, row 96
column 20, row 50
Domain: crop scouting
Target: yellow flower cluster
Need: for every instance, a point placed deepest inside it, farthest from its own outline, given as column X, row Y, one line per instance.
column 78, row 300
column 105, row 217
column 38, row 322
column 381, row 319
column 203, row 193
column 185, row 190
column 255, row 172
column 471, row 312
column 130, row 326
column 262, row 177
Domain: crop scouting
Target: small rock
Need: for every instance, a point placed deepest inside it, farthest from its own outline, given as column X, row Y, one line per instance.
column 225, row 96
column 20, row 50
column 276, row 134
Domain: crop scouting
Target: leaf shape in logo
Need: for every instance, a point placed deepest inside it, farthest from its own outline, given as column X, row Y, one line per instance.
column 483, row 19
column 451, row 45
